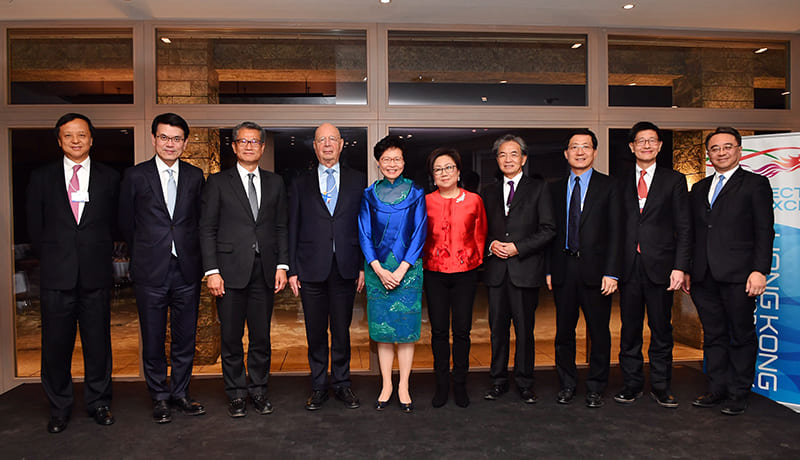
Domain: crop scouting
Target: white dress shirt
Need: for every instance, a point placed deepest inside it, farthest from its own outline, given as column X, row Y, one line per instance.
column 715, row 181
column 648, row 179
column 507, row 189
column 83, row 179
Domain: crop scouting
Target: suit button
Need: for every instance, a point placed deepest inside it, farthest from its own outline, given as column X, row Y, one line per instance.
column 507, row 234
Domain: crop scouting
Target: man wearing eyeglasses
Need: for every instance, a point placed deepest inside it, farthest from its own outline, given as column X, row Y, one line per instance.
column 520, row 225
column 734, row 232
column 159, row 215
column 243, row 240
column 584, row 265
column 326, row 264
column 656, row 250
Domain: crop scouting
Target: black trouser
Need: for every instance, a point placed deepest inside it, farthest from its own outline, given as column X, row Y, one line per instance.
column 63, row 313
column 638, row 294
column 254, row 305
column 450, row 294
column 329, row 300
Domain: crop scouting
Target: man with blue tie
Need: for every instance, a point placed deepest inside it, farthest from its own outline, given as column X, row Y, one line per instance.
column 326, row 264
column 159, row 216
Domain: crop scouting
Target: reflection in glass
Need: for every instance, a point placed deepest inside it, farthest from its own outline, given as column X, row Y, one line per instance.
column 70, row 66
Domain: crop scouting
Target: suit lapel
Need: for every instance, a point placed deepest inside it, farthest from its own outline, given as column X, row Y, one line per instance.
column 732, row 182
column 654, row 192
column 261, row 206
column 521, row 190
column 237, row 187
column 154, row 181
column 63, row 193
column 313, row 188
column 588, row 202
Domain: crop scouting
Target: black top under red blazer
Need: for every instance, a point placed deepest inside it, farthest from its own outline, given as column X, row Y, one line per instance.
column 600, row 231
column 313, row 231
column 662, row 231
column 734, row 238
column 148, row 228
column 529, row 225
column 70, row 254
column 228, row 232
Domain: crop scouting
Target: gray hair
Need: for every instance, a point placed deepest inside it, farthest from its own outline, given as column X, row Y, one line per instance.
column 249, row 125
column 510, row 138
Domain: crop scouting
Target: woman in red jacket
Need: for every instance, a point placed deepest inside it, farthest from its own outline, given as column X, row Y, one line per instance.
column 453, row 251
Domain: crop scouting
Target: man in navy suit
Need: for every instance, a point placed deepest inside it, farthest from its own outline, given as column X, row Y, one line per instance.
column 159, row 215
column 584, row 265
column 71, row 212
column 656, row 249
column 732, row 257
column 326, row 265
column 243, row 240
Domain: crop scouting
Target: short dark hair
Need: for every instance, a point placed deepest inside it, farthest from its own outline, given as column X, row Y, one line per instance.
column 643, row 126
column 67, row 117
column 581, row 132
column 509, row 138
column 444, row 151
column 248, row 125
column 725, row 130
column 171, row 119
column 387, row 143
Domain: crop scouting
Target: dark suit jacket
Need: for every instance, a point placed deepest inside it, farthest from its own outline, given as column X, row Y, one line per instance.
column 600, row 230
column 71, row 254
column 228, row 232
column 663, row 230
column 529, row 225
column 734, row 238
column 312, row 229
column 148, row 229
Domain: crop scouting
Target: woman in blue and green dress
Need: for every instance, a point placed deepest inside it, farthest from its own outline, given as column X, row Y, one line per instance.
column 392, row 226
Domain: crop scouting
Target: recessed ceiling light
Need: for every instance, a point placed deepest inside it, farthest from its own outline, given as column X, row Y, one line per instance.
column 628, row 6
column 364, row 79
column 409, row 136
column 786, row 93
column 632, row 84
column 474, row 130
column 166, row 40
column 503, row 82
column 577, row 45
column 760, row 50
column 385, row 1
column 484, row 98
column 674, row 106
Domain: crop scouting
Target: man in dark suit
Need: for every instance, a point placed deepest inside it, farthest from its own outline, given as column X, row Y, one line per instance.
column 520, row 225
column 243, row 240
column 325, row 262
column 584, row 265
column 656, row 249
column 734, row 232
column 159, row 215
column 71, row 213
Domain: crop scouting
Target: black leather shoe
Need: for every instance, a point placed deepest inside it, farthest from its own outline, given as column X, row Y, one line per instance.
column 57, row 424
column 664, row 398
column 594, row 400
column 237, row 408
column 346, row 395
column 161, row 412
column 440, row 395
column 261, row 404
column 103, row 416
column 528, row 395
column 381, row 405
column 460, row 395
column 188, row 406
column 314, row 402
column 708, row 400
column 734, row 406
column 407, row 408
column 495, row 392
column 565, row 396
column 627, row 395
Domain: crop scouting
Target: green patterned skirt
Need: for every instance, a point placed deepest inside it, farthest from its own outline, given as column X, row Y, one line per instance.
column 394, row 316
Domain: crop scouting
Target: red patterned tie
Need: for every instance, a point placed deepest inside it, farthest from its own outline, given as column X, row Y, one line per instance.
column 642, row 189
column 74, row 186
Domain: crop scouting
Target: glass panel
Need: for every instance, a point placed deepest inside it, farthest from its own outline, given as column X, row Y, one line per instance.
column 669, row 72
column 70, row 66
column 261, row 67
column 30, row 149
column 450, row 68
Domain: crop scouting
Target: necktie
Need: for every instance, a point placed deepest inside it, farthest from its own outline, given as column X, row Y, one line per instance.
column 574, row 217
column 172, row 192
column 717, row 189
column 331, row 194
column 510, row 193
column 642, row 188
column 251, row 195
column 74, row 186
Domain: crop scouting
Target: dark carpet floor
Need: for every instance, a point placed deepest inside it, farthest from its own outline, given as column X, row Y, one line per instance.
column 507, row 428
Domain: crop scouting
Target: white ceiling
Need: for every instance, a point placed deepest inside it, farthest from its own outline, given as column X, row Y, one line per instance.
column 729, row 15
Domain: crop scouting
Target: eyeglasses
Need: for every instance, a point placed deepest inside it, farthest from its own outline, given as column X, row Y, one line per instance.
column 715, row 149
column 449, row 169
column 164, row 138
column 642, row 142
column 322, row 139
column 395, row 160
column 580, row 148
column 244, row 142
column 511, row 155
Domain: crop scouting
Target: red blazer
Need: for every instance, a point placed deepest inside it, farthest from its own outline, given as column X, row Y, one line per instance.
column 456, row 232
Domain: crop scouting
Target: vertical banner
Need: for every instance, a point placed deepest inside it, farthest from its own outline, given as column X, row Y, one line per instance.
column 777, row 314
